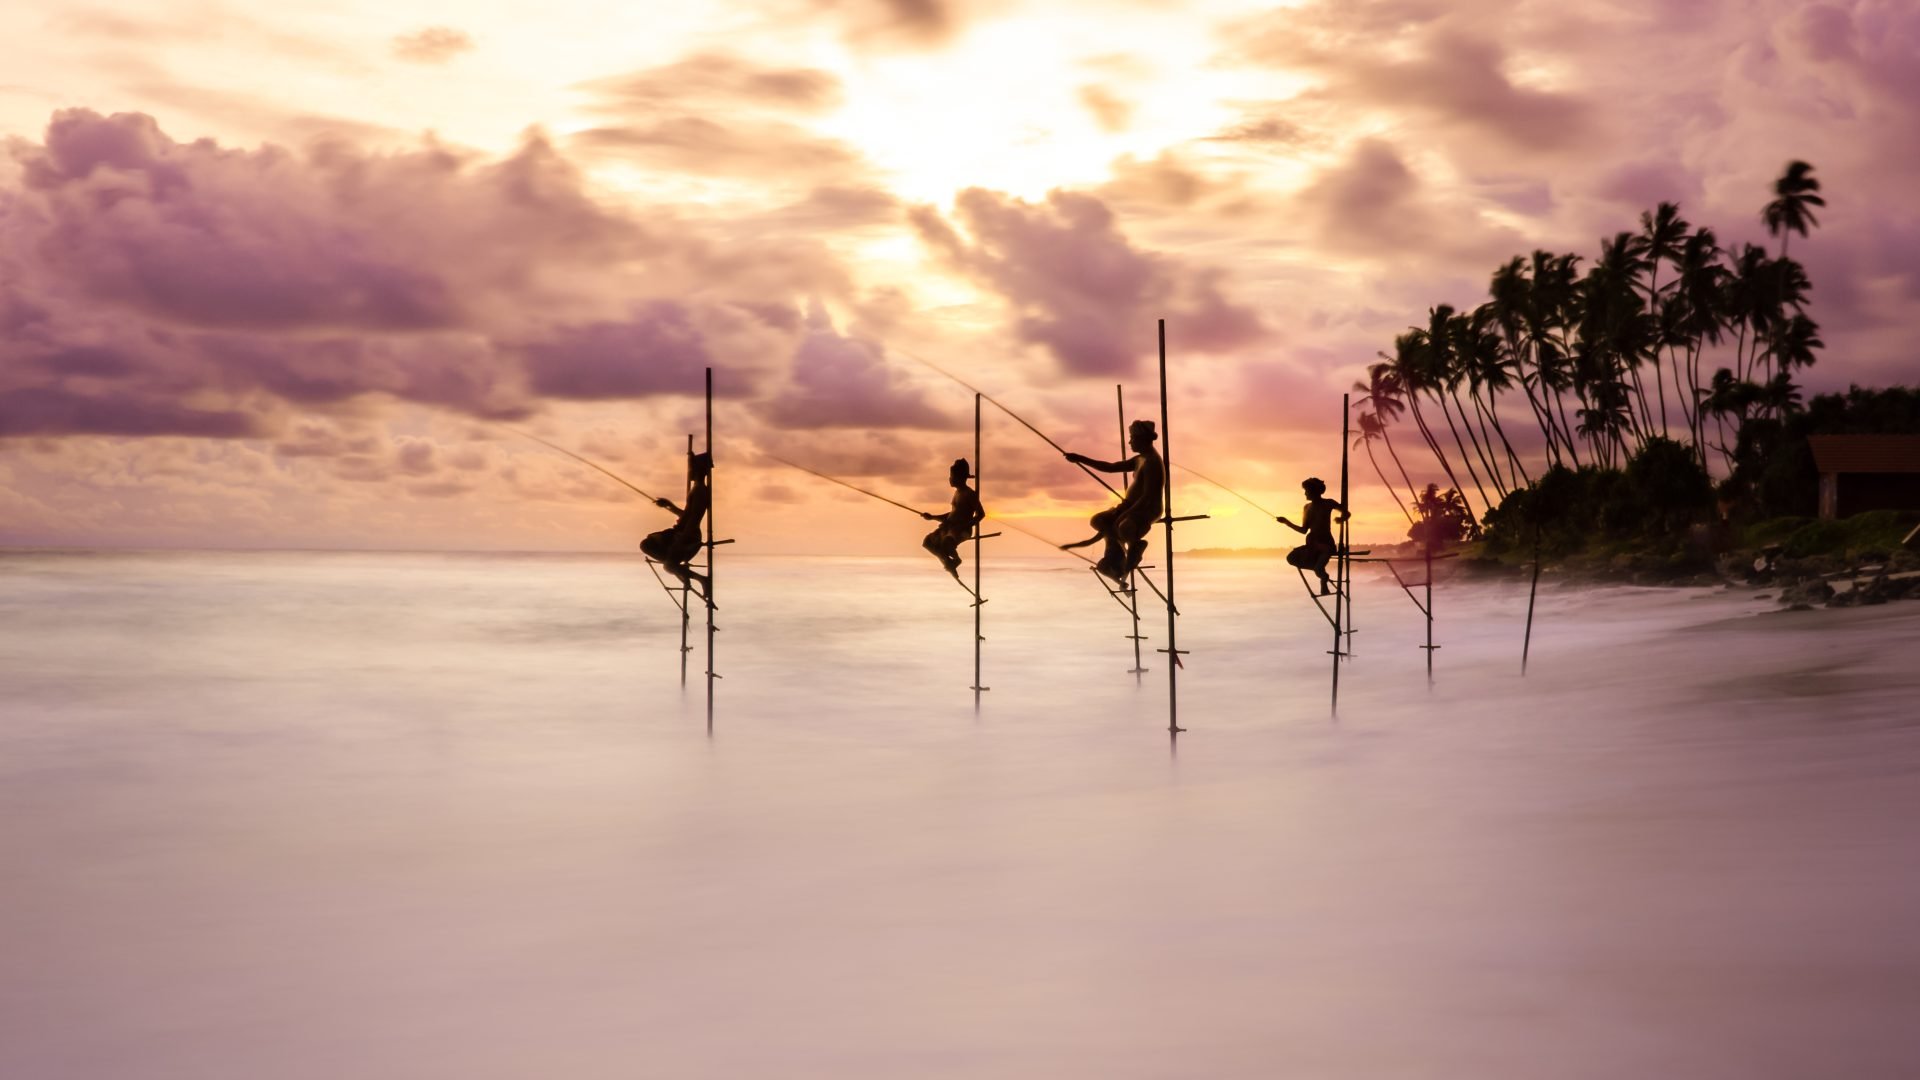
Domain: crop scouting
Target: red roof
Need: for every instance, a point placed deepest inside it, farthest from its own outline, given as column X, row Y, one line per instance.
column 1866, row 453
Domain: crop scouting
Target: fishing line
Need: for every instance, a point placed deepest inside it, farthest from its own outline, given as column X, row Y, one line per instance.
column 844, row 484
column 1226, row 489
column 1016, row 416
column 584, row 461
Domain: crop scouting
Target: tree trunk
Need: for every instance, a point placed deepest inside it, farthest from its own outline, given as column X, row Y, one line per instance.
column 1368, row 444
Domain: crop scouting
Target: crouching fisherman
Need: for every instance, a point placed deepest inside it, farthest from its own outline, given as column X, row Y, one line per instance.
column 958, row 523
column 1320, row 547
column 676, row 546
column 1124, row 527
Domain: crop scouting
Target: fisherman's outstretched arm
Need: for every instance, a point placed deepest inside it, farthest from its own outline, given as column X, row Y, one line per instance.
column 667, row 504
column 1291, row 525
column 1102, row 466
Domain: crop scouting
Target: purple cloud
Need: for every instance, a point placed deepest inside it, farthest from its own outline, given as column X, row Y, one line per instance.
column 656, row 350
column 846, row 382
column 1078, row 288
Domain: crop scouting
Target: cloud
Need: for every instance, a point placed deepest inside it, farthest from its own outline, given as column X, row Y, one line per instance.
column 1412, row 59
column 1077, row 287
column 432, row 45
column 717, row 78
column 655, row 350
column 50, row 410
column 1108, row 109
column 149, row 286
column 846, row 382
column 1263, row 129
column 895, row 23
column 700, row 146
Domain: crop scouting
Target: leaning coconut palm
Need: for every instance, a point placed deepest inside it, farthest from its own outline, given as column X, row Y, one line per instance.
column 1605, row 422
column 1371, row 429
column 1511, row 293
column 1554, row 308
column 1435, row 355
column 1383, row 392
column 1613, row 287
column 1467, row 336
column 1494, row 369
column 1791, row 210
column 1409, row 368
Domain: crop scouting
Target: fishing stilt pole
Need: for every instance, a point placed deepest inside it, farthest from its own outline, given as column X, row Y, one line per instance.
column 712, row 548
column 979, row 487
column 1341, row 568
column 1532, row 590
column 1427, row 558
column 686, row 587
column 1173, row 649
column 1427, row 550
column 1133, row 578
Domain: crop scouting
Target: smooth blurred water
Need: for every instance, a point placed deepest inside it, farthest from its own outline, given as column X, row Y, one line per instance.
column 332, row 815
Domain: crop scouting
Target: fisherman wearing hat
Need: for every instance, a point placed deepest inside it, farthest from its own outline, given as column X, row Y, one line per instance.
column 1320, row 546
column 676, row 546
column 958, row 522
column 1124, row 527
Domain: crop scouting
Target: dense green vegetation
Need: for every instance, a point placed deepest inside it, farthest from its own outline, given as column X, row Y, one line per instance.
column 1609, row 365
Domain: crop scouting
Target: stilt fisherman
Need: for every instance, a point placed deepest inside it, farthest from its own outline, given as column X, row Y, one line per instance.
column 676, row 546
column 958, row 523
column 1124, row 527
column 1320, row 546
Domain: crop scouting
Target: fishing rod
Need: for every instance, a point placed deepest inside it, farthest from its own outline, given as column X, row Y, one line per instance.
column 1225, row 488
column 635, row 488
column 1055, row 546
column 1069, row 551
column 844, row 484
column 1016, row 416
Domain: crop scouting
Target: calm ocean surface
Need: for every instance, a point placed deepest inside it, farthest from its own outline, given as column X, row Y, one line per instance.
column 299, row 816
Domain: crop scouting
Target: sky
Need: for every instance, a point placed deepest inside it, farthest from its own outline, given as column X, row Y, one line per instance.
column 283, row 275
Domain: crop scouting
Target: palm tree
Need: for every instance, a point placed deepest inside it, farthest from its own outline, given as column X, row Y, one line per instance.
column 1790, row 211
column 1510, row 308
column 1435, row 356
column 1662, row 231
column 1554, row 308
column 1493, row 368
column 1370, row 429
column 1409, row 363
column 1780, row 397
column 1385, row 393
column 1702, row 290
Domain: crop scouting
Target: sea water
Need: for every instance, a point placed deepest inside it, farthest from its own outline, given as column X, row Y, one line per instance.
column 416, row 816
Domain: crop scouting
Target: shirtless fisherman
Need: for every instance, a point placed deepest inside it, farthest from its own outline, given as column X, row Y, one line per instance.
column 1320, row 546
column 676, row 546
column 957, row 523
column 1124, row 527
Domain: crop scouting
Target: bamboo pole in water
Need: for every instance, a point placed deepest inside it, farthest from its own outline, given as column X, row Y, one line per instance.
column 1133, row 579
column 712, row 550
